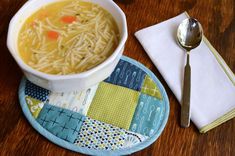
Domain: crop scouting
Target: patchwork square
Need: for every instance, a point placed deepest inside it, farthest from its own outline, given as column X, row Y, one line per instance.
column 150, row 88
column 77, row 101
column 35, row 106
column 36, row 92
column 148, row 115
column 127, row 75
column 114, row 105
column 63, row 123
column 98, row 135
column 133, row 138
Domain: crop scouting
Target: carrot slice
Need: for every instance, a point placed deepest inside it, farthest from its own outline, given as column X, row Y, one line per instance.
column 68, row 19
column 52, row 35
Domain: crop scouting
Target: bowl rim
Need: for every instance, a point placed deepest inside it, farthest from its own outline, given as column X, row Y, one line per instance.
column 13, row 50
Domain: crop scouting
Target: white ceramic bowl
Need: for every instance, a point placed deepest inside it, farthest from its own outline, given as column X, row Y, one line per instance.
column 66, row 83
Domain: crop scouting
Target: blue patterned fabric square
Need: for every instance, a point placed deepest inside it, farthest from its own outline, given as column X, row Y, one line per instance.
column 127, row 75
column 148, row 115
column 63, row 123
column 36, row 92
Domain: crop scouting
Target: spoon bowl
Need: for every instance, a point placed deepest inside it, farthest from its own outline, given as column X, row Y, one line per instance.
column 189, row 34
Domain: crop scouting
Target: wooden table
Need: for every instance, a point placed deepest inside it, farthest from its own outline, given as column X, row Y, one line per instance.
column 17, row 137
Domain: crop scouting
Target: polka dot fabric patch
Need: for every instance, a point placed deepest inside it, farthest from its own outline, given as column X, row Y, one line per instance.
column 36, row 92
column 99, row 135
column 121, row 115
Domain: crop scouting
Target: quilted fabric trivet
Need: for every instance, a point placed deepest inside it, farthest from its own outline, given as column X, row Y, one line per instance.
column 121, row 115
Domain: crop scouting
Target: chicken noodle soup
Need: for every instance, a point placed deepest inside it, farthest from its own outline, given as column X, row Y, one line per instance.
column 68, row 37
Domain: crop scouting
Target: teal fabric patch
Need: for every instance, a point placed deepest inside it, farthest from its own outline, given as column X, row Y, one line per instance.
column 148, row 115
column 63, row 123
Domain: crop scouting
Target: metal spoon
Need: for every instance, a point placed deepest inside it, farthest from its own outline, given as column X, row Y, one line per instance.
column 189, row 35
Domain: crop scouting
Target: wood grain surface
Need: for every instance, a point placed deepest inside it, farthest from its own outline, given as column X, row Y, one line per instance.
column 217, row 17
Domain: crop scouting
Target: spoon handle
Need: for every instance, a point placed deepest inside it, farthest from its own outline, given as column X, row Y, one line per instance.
column 185, row 108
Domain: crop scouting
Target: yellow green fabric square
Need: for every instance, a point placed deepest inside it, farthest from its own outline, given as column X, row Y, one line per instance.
column 114, row 105
column 35, row 106
column 150, row 88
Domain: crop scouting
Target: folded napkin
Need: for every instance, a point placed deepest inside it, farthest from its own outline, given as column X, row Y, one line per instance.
column 212, row 82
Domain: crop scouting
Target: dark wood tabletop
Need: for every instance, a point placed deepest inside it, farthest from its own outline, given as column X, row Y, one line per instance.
column 217, row 17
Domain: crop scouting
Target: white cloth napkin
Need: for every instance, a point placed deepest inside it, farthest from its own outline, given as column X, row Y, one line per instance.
column 212, row 90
